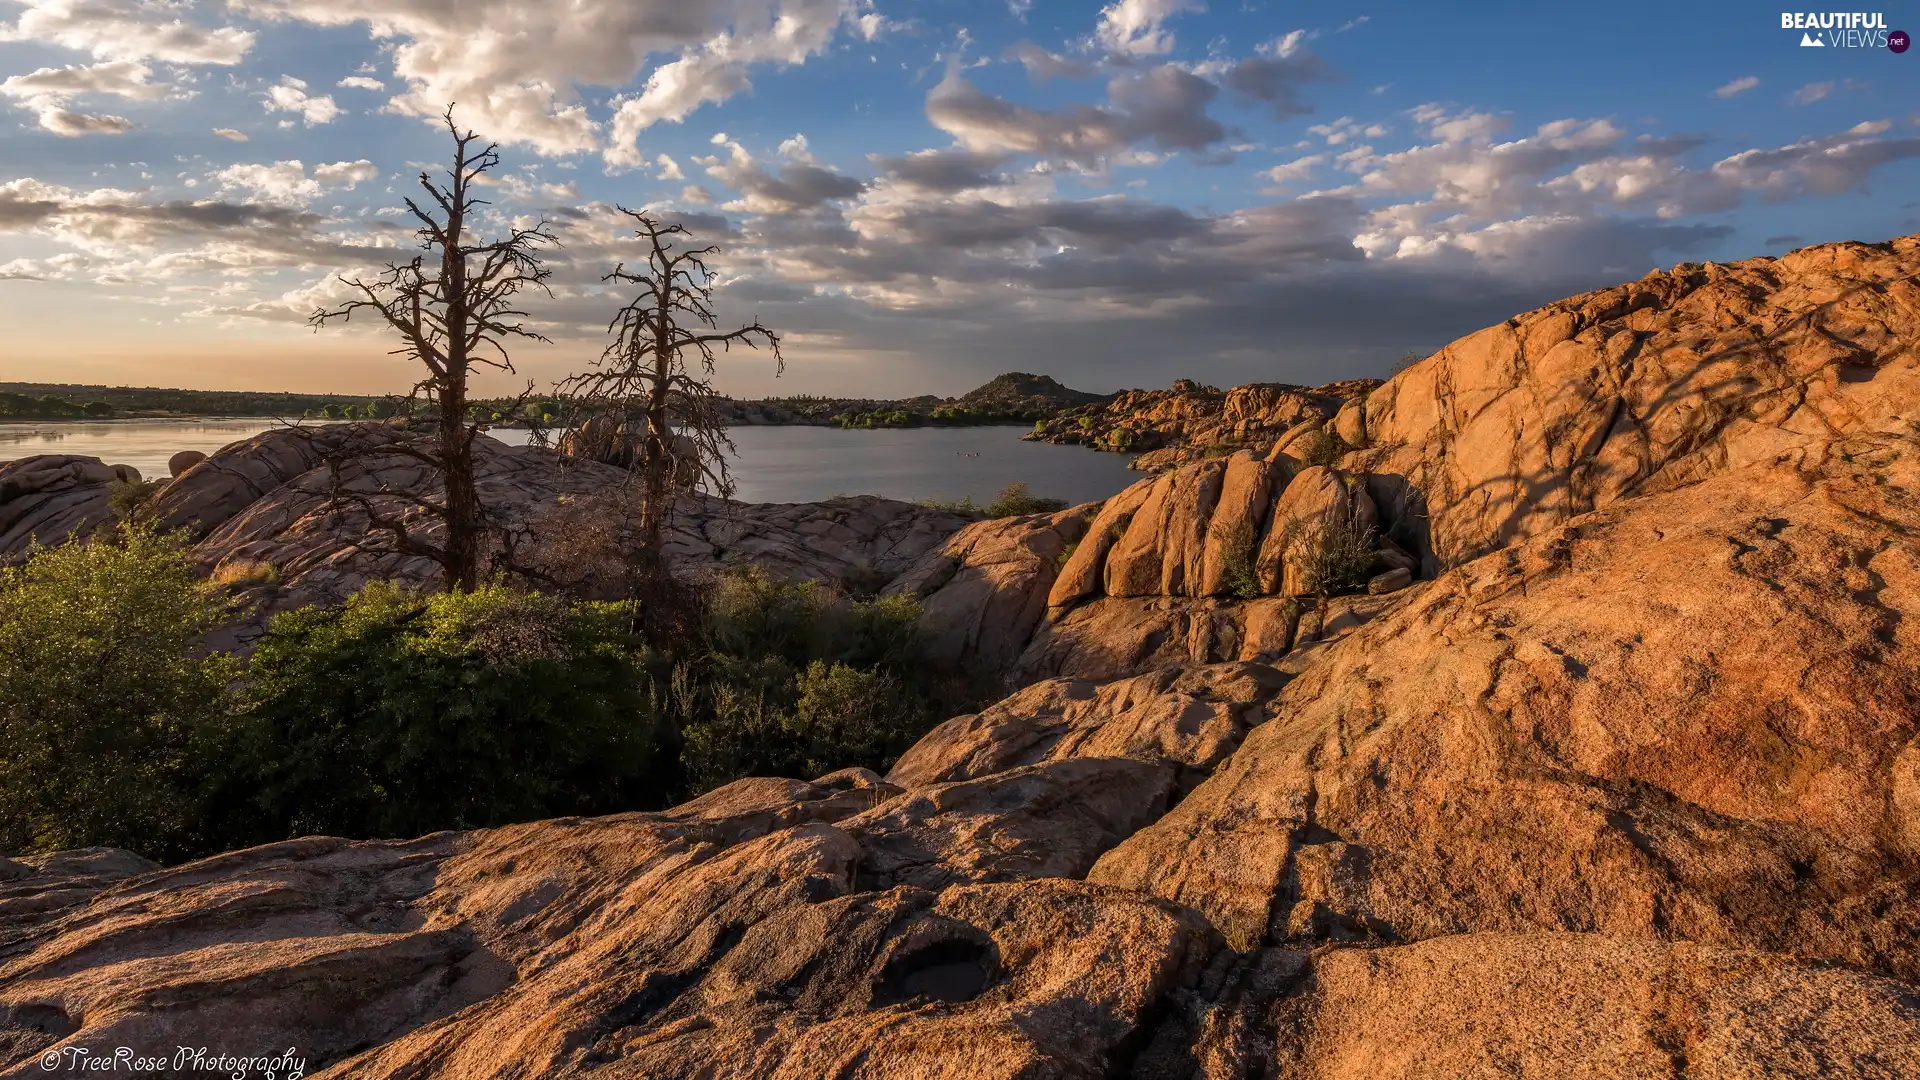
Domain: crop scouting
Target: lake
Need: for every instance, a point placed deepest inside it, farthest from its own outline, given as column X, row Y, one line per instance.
column 775, row 464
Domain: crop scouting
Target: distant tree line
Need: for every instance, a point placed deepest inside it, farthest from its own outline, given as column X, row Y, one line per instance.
column 151, row 401
column 50, row 407
column 941, row 416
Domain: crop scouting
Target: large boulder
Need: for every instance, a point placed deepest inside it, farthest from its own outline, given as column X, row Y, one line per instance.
column 1320, row 513
column 1691, row 715
column 182, row 461
column 1651, row 385
column 1239, row 517
column 982, row 594
column 48, row 497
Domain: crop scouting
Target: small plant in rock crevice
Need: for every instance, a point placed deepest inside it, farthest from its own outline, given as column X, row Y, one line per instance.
column 1240, row 578
column 1325, row 448
column 1332, row 555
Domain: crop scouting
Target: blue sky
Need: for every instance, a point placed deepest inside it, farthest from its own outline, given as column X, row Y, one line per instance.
column 923, row 194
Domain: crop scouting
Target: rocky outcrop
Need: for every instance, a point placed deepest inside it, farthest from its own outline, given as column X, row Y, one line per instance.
column 1634, row 791
column 1689, row 716
column 48, row 497
column 726, row 937
column 984, row 592
column 1648, row 386
column 1191, row 719
column 1174, row 427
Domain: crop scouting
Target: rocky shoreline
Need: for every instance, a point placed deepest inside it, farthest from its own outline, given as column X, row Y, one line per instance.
column 1618, row 776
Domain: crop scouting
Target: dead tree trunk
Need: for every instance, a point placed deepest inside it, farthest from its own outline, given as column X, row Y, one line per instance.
column 453, row 314
column 657, row 372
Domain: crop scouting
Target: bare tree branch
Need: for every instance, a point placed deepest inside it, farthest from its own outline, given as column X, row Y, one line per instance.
column 453, row 309
column 650, row 392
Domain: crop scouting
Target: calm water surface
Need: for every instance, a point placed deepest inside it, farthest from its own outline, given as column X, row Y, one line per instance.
column 775, row 464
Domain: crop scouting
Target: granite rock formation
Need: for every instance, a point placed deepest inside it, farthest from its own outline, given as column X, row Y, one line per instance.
column 1627, row 783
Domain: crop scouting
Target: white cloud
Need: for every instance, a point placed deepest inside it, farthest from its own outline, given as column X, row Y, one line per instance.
column 49, row 92
column 284, row 182
column 516, row 68
column 230, row 133
column 346, row 174
column 1042, row 65
column 290, row 95
column 1737, row 87
column 1137, row 27
column 121, row 78
column 1297, row 169
column 795, row 186
column 361, row 82
column 287, row 183
column 669, row 168
column 127, row 30
column 1812, row 92
column 63, row 121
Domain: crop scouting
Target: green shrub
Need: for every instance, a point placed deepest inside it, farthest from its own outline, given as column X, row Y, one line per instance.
column 1015, row 500
column 126, row 496
column 1407, row 360
column 1324, row 447
column 749, row 614
column 398, row 714
column 1334, row 556
column 1012, row 501
column 111, row 715
column 797, row 680
column 1241, row 579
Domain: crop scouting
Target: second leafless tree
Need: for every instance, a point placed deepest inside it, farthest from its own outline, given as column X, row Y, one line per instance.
column 655, row 381
column 454, row 311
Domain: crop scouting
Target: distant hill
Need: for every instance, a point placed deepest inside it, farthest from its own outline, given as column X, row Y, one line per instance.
column 1018, row 391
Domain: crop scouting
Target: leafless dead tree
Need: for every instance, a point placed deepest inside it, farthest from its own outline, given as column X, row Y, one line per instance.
column 454, row 311
column 655, row 381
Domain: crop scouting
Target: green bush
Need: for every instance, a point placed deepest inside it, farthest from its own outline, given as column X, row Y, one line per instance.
column 110, row 713
column 797, row 680
column 126, row 496
column 1015, row 500
column 398, row 714
column 1336, row 557
column 1012, row 501
column 1325, row 447
column 1241, row 579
